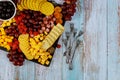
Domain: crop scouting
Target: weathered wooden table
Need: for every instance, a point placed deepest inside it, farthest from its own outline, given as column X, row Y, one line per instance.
column 97, row 59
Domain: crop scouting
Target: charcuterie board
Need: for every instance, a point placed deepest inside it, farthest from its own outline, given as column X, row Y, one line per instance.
column 34, row 30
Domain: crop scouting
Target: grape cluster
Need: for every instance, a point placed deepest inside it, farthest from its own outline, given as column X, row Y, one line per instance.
column 36, row 22
column 68, row 9
column 15, row 55
column 17, row 58
column 12, row 30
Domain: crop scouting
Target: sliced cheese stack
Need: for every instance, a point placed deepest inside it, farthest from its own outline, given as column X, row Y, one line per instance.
column 52, row 36
column 25, row 46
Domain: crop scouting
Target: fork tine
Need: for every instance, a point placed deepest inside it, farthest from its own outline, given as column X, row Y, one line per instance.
column 67, row 35
column 71, row 27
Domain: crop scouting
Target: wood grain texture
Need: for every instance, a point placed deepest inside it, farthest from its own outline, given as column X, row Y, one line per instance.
column 95, row 57
column 7, row 71
column 113, row 40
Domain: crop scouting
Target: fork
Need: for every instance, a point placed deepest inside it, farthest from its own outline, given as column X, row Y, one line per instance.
column 73, row 53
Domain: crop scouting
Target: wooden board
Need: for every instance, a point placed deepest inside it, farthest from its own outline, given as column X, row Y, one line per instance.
column 95, row 57
column 113, row 39
column 98, row 58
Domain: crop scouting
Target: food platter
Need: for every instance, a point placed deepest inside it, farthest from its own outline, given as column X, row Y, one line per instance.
column 34, row 31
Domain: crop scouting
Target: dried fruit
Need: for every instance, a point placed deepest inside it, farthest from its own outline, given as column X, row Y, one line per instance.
column 58, row 9
column 58, row 46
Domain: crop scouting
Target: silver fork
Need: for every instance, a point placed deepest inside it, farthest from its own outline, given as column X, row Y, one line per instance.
column 72, row 54
column 68, row 53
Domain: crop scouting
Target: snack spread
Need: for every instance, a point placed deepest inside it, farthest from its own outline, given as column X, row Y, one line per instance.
column 33, row 33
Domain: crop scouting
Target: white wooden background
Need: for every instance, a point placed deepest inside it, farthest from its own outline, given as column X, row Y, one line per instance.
column 97, row 59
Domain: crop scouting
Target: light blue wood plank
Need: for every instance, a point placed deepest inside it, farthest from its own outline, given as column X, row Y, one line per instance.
column 113, row 39
column 77, row 72
column 7, row 70
column 95, row 57
column 27, row 71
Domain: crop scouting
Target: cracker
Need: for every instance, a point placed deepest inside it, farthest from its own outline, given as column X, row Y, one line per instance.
column 19, row 7
column 47, row 8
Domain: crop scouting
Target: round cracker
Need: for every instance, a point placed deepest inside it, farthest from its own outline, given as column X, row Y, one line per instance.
column 34, row 5
column 37, row 3
column 25, row 4
column 40, row 4
column 22, row 4
column 47, row 8
column 28, row 4
column 19, row 7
